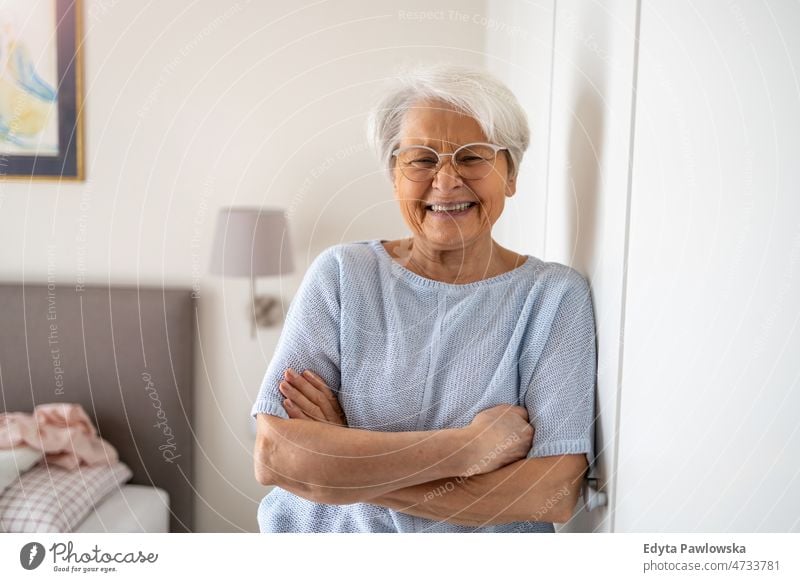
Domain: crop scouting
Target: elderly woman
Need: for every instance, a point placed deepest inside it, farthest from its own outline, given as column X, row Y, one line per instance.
column 441, row 383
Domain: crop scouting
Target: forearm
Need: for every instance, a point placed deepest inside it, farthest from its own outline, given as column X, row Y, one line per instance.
column 334, row 464
column 527, row 490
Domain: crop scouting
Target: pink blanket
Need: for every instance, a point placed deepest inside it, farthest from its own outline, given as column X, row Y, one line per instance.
column 63, row 431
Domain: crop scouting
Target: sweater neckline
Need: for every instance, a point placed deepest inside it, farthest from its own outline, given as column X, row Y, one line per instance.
column 424, row 281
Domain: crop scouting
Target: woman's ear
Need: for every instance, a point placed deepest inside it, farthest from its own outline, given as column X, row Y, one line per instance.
column 511, row 186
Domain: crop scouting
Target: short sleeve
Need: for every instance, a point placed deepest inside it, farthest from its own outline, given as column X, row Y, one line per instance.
column 310, row 336
column 561, row 362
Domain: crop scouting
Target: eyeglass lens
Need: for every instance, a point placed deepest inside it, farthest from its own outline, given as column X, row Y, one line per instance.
column 472, row 162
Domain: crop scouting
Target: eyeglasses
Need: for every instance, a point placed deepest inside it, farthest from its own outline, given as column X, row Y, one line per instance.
column 472, row 161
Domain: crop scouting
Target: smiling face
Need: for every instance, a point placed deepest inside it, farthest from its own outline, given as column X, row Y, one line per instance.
column 438, row 126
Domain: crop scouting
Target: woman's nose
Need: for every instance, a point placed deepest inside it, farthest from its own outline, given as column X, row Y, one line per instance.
column 446, row 178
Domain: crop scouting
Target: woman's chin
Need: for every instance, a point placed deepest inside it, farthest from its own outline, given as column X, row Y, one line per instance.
column 449, row 238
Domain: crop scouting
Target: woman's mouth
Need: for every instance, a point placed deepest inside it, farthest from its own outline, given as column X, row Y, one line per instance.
column 449, row 210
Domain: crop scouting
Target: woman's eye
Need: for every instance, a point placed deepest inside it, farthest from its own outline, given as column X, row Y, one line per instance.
column 424, row 161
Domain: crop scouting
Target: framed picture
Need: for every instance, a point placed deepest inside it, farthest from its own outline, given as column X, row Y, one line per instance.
column 41, row 134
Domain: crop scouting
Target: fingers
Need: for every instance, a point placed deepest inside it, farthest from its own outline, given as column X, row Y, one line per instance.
column 522, row 411
column 320, row 384
column 315, row 380
column 300, row 399
column 298, row 406
column 310, row 397
column 293, row 411
column 328, row 394
column 515, row 408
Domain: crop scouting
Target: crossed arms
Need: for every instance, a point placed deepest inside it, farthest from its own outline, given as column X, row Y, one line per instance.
column 473, row 476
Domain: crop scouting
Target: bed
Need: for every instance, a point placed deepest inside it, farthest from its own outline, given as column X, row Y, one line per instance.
column 125, row 354
column 133, row 508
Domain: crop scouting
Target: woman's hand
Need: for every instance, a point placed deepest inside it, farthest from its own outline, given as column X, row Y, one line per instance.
column 499, row 435
column 309, row 397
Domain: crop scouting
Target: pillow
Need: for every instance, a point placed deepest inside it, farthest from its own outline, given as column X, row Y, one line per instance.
column 53, row 499
column 15, row 461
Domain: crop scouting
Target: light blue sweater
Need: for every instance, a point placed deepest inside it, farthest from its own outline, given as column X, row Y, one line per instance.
column 406, row 353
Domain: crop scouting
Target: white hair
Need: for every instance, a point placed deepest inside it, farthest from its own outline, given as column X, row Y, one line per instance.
column 469, row 90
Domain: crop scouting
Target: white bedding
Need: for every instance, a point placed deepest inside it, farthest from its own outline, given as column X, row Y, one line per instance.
column 15, row 461
column 132, row 508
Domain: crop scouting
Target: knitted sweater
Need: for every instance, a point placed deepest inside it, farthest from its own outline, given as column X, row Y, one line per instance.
column 407, row 353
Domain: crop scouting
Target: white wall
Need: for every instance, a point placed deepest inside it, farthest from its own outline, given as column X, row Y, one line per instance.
column 710, row 397
column 519, row 39
column 191, row 106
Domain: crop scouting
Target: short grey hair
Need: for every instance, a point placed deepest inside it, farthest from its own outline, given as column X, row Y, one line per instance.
column 469, row 90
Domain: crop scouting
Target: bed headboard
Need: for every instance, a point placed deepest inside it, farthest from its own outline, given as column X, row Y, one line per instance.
column 126, row 355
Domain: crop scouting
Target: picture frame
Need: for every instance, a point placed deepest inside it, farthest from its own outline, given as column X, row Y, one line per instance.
column 41, row 129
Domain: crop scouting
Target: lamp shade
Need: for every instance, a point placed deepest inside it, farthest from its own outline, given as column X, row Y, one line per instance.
column 251, row 242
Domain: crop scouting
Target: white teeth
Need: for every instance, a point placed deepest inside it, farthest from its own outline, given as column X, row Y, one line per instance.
column 450, row 207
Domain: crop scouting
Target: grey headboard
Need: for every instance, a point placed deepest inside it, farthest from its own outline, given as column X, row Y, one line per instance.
column 126, row 355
